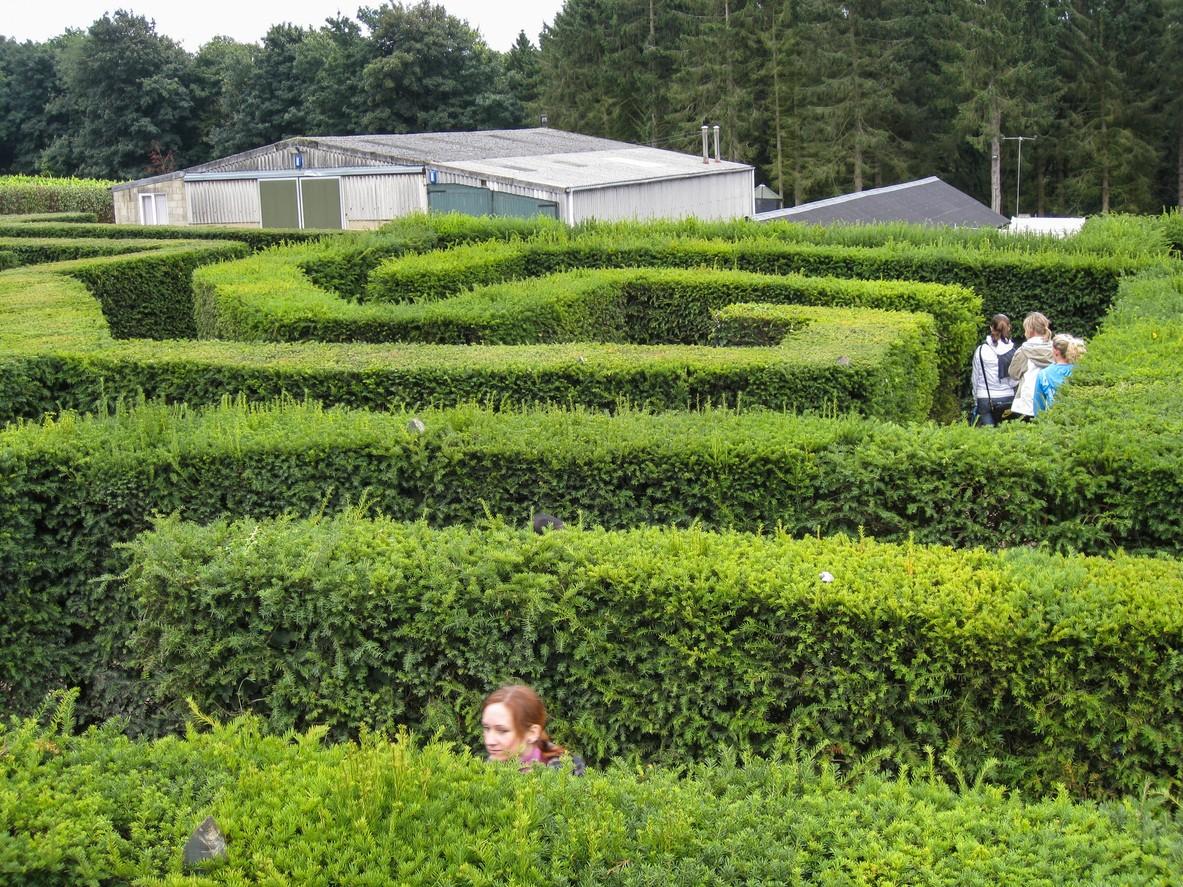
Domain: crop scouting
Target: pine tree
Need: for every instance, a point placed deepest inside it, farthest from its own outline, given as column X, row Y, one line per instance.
column 854, row 52
column 523, row 71
column 1111, row 159
column 1170, row 74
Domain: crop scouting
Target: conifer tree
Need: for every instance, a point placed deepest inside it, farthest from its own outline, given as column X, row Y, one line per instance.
column 1111, row 161
column 854, row 49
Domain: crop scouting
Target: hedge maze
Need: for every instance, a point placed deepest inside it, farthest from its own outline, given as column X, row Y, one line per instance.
column 211, row 489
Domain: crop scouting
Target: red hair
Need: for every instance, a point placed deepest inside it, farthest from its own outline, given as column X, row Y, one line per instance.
column 526, row 708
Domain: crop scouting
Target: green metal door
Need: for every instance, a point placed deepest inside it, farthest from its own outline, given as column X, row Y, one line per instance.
column 523, row 207
column 279, row 202
column 322, row 202
column 460, row 199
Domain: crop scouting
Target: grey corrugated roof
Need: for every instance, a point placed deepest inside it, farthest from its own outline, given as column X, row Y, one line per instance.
column 925, row 201
column 600, row 168
column 428, row 147
column 445, row 147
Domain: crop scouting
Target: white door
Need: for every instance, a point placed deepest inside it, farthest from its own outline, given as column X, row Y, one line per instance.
column 153, row 209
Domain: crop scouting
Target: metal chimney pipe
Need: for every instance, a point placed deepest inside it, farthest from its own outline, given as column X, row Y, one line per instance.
column 718, row 159
column 705, row 157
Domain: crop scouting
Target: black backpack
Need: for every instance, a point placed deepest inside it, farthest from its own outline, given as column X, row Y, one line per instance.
column 1004, row 363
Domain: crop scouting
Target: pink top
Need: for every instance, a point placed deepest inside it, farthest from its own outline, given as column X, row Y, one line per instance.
column 533, row 755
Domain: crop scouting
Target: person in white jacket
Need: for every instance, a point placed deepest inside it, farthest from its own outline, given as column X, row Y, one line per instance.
column 994, row 390
column 1033, row 355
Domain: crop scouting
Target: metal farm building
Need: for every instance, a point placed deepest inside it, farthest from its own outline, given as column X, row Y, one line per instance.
column 359, row 182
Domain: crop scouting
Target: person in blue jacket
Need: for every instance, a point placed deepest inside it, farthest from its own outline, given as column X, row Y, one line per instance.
column 1066, row 351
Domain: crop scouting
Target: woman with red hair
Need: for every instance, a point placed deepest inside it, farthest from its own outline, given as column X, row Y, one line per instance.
column 513, row 720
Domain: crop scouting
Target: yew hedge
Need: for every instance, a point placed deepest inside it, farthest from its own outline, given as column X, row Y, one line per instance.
column 100, row 809
column 57, row 354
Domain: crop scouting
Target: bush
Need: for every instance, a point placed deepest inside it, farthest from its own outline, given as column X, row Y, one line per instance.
column 664, row 643
column 23, row 195
column 37, row 251
column 255, row 238
column 1073, row 290
column 78, row 365
column 1172, row 226
column 90, row 218
column 97, row 808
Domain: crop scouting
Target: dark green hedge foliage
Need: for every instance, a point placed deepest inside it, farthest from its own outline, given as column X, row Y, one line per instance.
column 99, row 809
column 8, row 259
column 664, row 643
column 883, row 366
column 255, row 238
column 1073, row 291
column 150, row 296
column 41, row 250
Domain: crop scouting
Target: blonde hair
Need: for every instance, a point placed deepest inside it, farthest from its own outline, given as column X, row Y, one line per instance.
column 1035, row 324
column 1069, row 347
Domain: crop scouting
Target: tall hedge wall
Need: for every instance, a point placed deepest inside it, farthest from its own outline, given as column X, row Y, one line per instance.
column 664, row 643
column 1074, row 291
column 23, row 195
column 99, row 809
column 60, row 356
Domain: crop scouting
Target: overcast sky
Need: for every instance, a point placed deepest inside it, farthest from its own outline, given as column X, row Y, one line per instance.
column 192, row 24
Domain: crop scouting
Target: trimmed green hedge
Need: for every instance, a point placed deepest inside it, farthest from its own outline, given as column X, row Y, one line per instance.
column 71, row 489
column 37, row 251
column 99, row 809
column 1110, row 234
column 255, row 238
column 8, row 259
column 266, row 298
column 71, row 362
column 90, row 218
column 24, row 195
column 663, row 643
column 1074, row 291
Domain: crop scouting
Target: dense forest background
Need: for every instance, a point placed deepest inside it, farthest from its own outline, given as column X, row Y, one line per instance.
column 822, row 97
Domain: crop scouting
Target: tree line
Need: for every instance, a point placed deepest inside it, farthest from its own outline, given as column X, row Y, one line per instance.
column 822, row 97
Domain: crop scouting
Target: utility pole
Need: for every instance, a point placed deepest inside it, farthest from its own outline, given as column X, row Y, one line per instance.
column 1019, row 167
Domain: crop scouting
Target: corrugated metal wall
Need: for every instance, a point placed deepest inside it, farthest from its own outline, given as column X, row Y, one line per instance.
column 382, row 197
column 717, row 196
column 231, row 202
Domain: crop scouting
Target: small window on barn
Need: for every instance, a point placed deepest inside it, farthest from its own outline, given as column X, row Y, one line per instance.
column 153, row 209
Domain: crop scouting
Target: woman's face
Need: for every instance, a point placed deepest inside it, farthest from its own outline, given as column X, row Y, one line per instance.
column 502, row 740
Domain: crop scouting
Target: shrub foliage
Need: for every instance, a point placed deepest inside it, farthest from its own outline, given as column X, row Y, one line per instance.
column 99, row 809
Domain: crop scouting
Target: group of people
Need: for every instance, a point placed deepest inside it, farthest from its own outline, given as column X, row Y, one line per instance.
column 1020, row 382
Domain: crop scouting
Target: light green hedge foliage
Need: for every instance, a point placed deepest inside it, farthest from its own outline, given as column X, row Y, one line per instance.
column 99, row 809
column 1073, row 290
column 1110, row 234
column 23, row 195
column 663, row 643
column 60, row 218
column 40, row 250
column 885, row 366
column 255, row 238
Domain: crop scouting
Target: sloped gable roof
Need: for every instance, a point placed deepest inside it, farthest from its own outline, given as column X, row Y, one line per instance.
column 927, row 201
